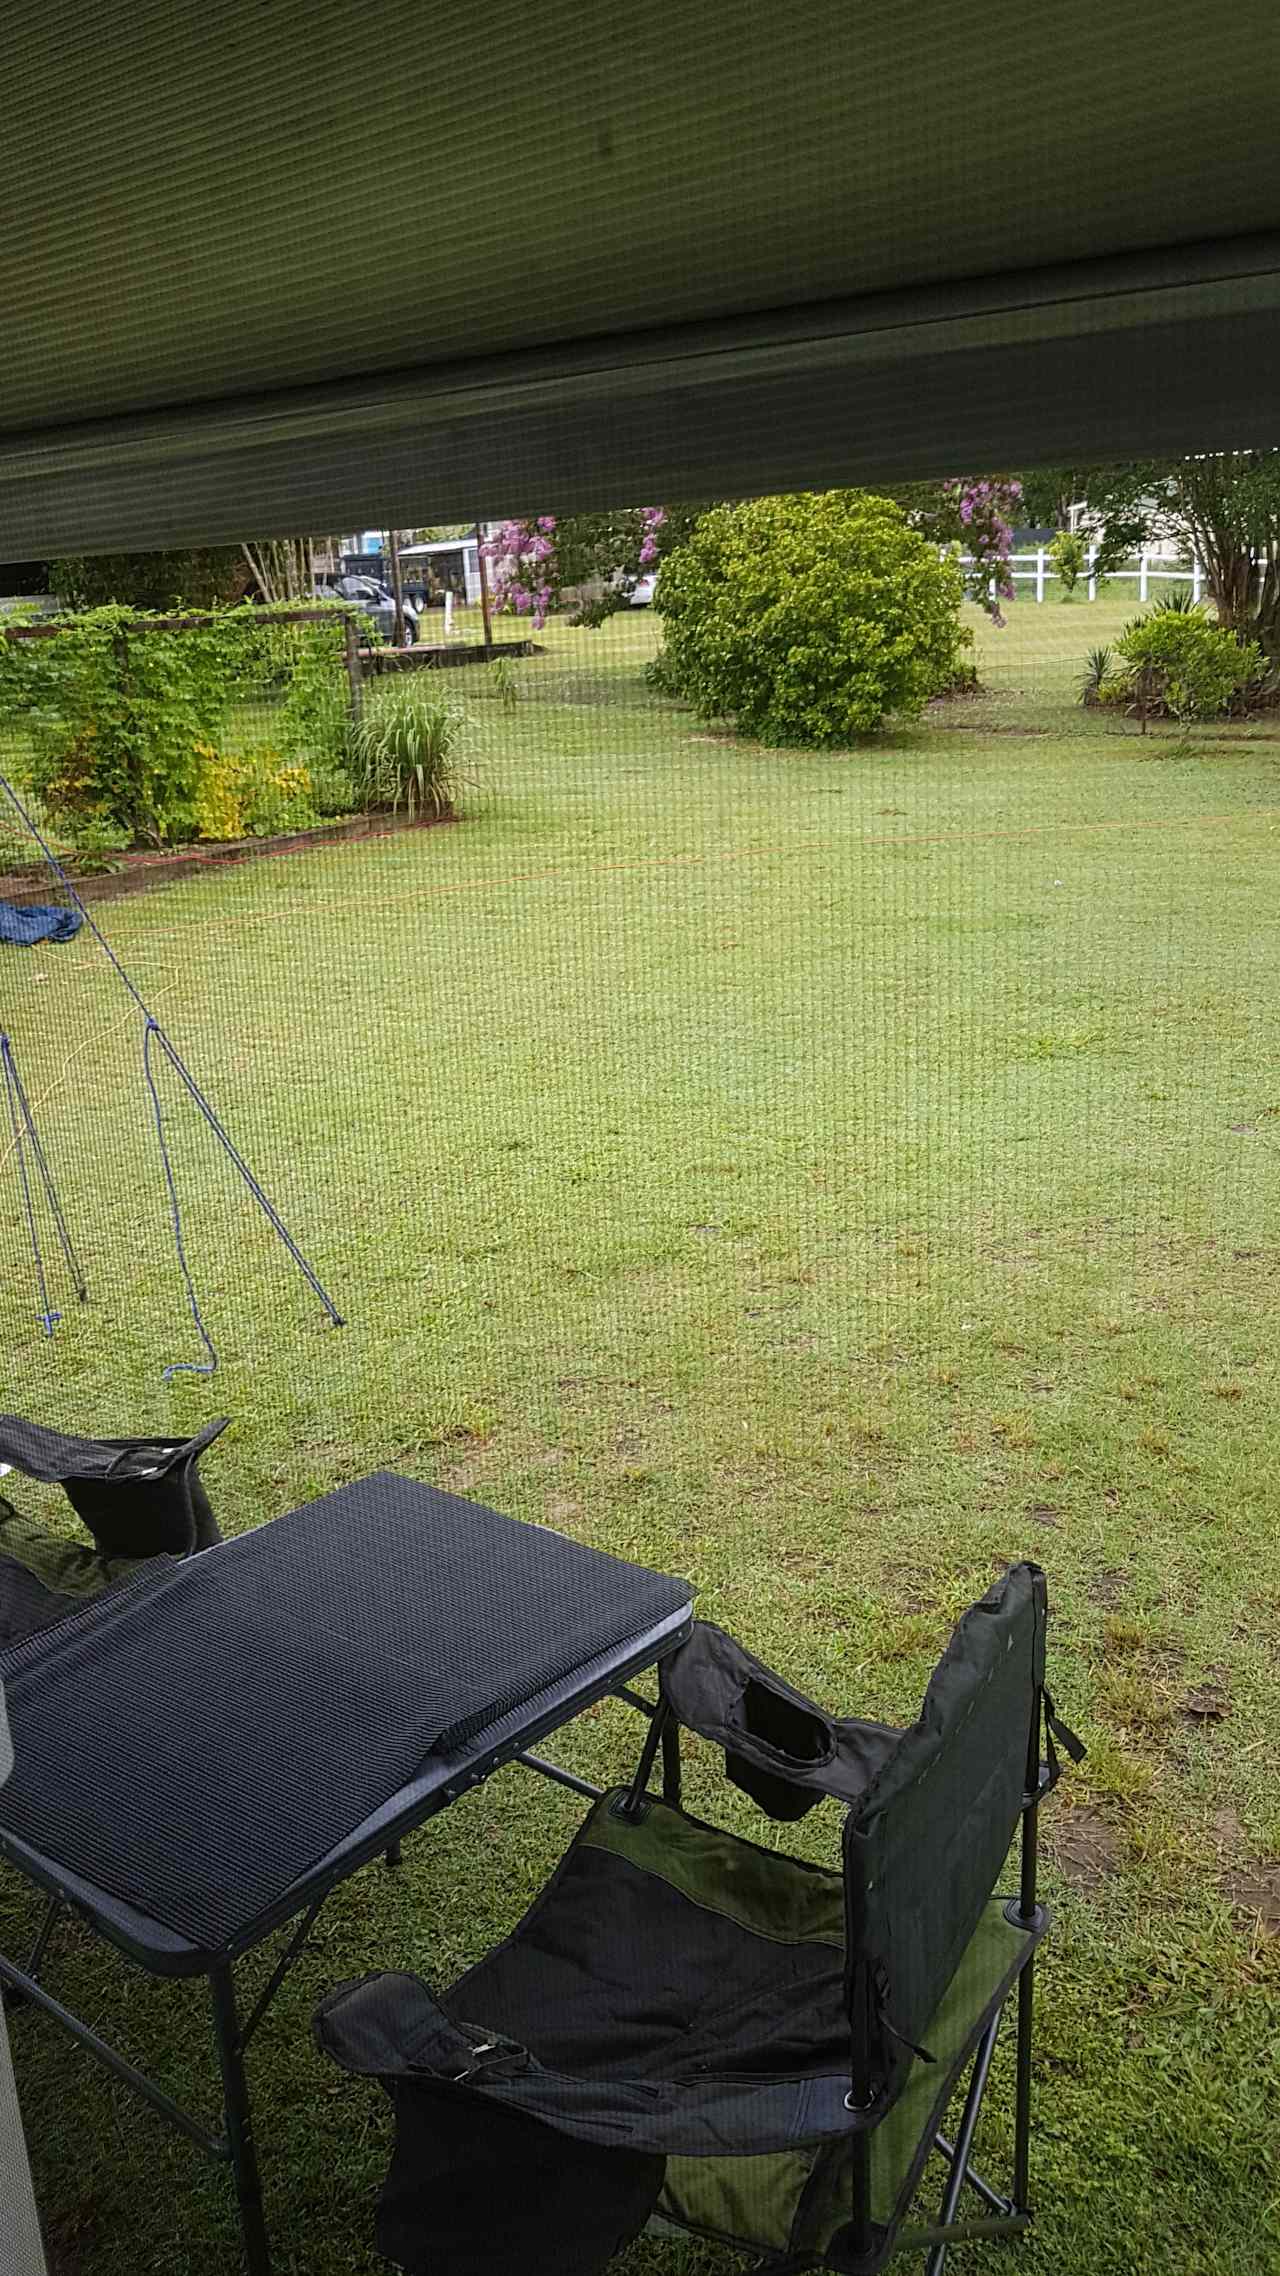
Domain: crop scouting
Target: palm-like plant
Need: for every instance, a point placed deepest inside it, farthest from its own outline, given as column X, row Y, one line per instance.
column 1097, row 670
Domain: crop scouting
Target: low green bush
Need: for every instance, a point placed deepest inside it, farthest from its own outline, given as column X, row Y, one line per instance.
column 1179, row 663
column 403, row 745
column 505, row 682
column 809, row 619
column 275, row 797
column 333, row 793
column 1069, row 553
column 1096, row 676
column 95, row 850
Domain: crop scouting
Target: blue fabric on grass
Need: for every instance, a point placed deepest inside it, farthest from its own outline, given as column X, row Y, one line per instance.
column 23, row 927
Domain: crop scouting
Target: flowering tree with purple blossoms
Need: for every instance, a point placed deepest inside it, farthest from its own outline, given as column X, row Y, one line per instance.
column 976, row 513
column 590, row 564
column 587, row 564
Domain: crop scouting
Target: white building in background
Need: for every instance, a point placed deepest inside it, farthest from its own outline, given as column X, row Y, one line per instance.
column 1082, row 522
column 454, row 562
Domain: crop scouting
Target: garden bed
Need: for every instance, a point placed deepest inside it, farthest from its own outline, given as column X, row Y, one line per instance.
column 139, row 872
column 423, row 658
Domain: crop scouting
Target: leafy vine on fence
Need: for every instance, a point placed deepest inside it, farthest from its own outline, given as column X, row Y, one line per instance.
column 130, row 721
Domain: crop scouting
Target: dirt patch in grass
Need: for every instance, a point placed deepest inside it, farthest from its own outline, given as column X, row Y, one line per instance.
column 141, row 872
column 1085, row 1849
column 983, row 727
column 1108, row 1587
column 561, row 1511
column 1209, row 1701
column 1256, row 1889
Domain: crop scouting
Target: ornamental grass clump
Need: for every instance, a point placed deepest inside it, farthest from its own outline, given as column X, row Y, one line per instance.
column 403, row 747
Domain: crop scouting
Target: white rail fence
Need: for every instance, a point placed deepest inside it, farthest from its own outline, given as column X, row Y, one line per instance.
column 1144, row 569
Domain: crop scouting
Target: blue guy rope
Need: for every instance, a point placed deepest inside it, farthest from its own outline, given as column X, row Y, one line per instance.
column 153, row 1035
column 180, row 1366
column 22, row 1124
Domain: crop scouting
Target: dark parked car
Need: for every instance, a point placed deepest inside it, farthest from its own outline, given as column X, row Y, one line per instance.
column 373, row 600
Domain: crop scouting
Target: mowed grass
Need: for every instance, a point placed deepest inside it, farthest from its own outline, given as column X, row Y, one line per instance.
column 826, row 1177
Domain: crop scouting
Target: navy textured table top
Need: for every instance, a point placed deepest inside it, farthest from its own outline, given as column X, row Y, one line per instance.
column 193, row 1742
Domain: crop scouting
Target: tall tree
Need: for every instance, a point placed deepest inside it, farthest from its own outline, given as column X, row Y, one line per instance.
column 284, row 568
column 975, row 513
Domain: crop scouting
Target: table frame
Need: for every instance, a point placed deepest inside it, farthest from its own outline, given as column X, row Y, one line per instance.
column 162, row 1953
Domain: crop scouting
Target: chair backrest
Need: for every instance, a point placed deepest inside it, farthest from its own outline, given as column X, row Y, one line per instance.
column 926, row 1843
column 138, row 1497
column 932, row 1810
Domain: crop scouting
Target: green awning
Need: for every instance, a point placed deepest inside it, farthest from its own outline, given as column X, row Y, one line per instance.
column 275, row 265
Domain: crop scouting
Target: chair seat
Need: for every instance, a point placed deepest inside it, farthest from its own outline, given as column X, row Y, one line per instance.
column 669, row 1952
column 677, row 1991
column 43, row 1576
column 780, row 2040
column 799, row 2202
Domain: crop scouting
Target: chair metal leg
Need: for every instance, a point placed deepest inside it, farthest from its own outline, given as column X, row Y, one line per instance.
column 671, row 1764
column 239, row 2122
column 1022, row 2113
column 937, row 2259
column 990, row 2197
column 1026, row 1915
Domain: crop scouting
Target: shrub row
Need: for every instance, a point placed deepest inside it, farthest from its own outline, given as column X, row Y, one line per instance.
column 131, row 735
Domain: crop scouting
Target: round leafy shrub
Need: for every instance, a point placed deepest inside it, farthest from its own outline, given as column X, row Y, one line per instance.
column 1179, row 662
column 809, row 619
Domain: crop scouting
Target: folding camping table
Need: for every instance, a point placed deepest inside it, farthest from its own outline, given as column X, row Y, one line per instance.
column 444, row 1556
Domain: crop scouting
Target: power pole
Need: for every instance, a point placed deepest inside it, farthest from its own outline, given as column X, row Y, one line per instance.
column 397, row 587
column 484, row 591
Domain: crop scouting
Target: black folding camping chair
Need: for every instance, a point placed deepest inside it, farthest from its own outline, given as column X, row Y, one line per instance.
column 137, row 1499
column 758, row 2050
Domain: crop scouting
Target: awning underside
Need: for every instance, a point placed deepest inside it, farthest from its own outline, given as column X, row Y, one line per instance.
column 268, row 268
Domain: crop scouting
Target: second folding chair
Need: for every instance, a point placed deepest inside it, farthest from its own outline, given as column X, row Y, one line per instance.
column 690, row 2028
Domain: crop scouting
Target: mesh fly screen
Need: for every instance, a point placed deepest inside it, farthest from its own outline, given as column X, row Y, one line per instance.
column 826, row 1173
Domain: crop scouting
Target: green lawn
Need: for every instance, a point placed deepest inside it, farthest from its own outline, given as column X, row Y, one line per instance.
column 829, row 1177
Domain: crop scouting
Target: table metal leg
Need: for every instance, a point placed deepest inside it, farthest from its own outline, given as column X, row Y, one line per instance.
column 53, row 1911
column 239, row 2121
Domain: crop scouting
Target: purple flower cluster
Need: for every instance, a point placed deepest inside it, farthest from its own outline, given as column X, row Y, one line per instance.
column 652, row 520
column 984, row 510
column 520, row 559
